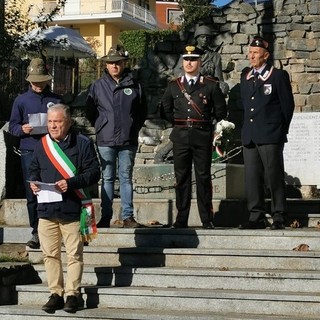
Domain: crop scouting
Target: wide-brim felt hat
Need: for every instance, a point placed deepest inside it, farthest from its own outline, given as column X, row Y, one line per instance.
column 37, row 71
column 116, row 54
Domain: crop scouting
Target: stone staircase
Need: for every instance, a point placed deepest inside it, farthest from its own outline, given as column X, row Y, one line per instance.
column 162, row 273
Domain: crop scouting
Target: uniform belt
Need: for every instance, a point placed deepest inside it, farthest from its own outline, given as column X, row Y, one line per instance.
column 192, row 123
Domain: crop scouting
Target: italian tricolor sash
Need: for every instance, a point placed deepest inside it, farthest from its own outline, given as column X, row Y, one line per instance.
column 88, row 227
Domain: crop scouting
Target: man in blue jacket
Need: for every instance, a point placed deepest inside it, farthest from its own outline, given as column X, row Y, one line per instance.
column 268, row 104
column 68, row 161
column 117, row 108
column 28, row 108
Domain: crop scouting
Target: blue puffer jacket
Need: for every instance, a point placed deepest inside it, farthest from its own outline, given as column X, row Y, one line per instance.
column 30, row 102
column 117, row 110
column 80, row 150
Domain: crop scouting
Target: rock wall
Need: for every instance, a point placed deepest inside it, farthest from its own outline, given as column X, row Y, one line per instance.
column 293, row 29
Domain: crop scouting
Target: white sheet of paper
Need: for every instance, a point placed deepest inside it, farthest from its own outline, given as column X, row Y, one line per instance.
column 38, row 121
column 48, row 193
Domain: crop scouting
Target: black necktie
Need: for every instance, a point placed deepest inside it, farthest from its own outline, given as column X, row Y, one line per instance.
column 191, row 83
column 256, row 77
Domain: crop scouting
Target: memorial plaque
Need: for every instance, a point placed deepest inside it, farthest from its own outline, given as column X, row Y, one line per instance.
column 157, row 181
column 302, row 152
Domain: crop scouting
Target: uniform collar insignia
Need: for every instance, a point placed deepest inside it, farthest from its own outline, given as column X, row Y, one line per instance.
column 264, row 76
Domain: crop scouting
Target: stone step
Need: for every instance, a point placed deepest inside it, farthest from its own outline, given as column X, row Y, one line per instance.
column 219, row 238
column 199, row 278
column 212, row 274
column 195, row 300
column 196, row 258
column 228, row 212
column 33, row 312
column 13, row 212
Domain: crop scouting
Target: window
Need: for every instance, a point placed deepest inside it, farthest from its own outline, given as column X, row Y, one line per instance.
column 174, row 16
column 145, row 4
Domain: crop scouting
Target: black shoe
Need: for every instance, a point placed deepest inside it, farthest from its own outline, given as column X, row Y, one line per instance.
column 34, row 242
column 71, row 304
column 208, row 225
column 131, row 223
column 252, row 225
column 277, row 226
column 103, row 223
column 177, row 225
column 54, row 303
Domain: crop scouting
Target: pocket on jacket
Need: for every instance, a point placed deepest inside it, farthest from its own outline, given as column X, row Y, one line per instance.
column 100, row 123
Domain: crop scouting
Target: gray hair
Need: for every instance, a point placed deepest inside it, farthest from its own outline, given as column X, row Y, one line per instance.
column 61, row 107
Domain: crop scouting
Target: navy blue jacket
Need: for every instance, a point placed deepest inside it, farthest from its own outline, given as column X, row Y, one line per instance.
column 117, row 110
column 30, row 102
column 80, row 150
column 268, row 106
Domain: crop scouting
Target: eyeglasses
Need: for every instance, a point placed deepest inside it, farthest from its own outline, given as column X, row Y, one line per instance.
column 190, row 59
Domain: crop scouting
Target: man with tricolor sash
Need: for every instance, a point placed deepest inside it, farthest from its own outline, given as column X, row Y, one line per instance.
column 67, row 161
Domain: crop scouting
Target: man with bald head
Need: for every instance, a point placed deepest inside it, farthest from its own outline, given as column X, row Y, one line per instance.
column 268, row 104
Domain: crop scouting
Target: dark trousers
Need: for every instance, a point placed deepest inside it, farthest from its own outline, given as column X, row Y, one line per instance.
column 264, row 168
column 184, row 155
column 26, row 157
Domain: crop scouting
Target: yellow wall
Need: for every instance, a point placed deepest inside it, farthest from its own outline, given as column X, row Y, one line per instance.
column 101, row 35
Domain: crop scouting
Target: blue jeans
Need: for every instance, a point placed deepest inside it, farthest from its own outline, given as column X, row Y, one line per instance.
column 115, row 158
column 26, row 157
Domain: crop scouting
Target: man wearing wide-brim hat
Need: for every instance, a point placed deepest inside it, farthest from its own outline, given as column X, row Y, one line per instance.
column 28, row 108
column 116, row 107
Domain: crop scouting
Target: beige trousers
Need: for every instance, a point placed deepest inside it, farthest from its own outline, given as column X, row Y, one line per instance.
column 51, row 233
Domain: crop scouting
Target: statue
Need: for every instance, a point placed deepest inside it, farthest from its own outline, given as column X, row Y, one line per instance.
column 211, row 59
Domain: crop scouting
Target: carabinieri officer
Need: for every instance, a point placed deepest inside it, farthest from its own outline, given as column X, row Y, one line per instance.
column 192, row 103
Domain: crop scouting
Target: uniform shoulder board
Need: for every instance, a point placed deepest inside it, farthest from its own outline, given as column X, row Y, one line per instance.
column 173, row 79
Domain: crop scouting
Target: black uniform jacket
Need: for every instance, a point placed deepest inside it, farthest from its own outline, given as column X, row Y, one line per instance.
column 268, row 106
column 208, row 97
column 80, row 150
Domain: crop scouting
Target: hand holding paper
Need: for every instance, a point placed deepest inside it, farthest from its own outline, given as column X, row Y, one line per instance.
column 38, row 121
column 47, row 192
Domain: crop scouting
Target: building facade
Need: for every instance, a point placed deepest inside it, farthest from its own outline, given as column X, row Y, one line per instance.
column 101, row 21
column 168, row 14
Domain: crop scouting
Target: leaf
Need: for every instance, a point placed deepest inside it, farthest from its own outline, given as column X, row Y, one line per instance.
column 302, row 247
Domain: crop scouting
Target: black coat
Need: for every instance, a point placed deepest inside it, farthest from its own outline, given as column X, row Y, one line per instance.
column 80, row 150
column 268, row 106
column 207, row 95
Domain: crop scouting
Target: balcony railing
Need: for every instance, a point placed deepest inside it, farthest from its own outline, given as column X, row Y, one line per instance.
column 98, row 7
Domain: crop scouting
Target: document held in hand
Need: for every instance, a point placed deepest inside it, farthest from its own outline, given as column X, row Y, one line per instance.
column 48, row 193
column 38, row 121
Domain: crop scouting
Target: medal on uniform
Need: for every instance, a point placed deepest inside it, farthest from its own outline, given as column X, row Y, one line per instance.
column 204, row 99
column 267, row 89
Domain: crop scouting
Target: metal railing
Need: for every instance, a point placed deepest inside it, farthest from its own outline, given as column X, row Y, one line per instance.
column 98, row 7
